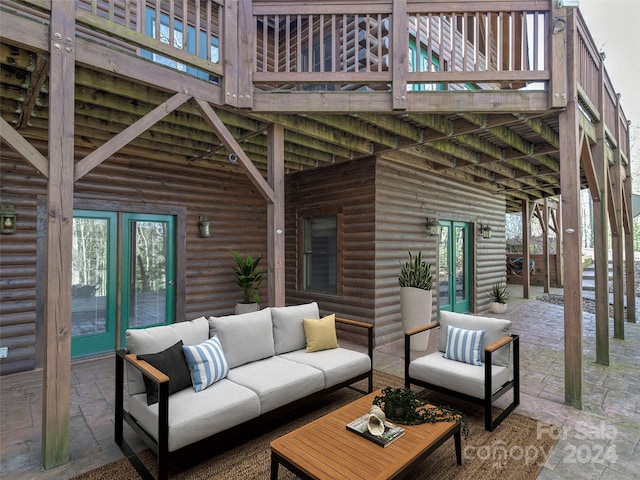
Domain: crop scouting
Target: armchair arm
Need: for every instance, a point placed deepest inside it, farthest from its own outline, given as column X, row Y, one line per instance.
column 423, row 328
column 498, row 344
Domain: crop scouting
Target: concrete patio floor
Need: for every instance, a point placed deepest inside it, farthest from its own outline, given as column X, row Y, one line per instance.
column 601, row 441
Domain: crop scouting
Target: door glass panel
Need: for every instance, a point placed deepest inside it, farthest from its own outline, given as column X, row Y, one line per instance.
column 90, row 264
column 148, row 274
column 460, row 274
column 443, row 263
column 93, row 289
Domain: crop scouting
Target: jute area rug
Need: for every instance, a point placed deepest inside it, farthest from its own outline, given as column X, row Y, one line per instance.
column 514, row 450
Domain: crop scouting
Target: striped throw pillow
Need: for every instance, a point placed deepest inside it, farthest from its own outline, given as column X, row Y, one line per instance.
column 464, row 345
column 207, row 363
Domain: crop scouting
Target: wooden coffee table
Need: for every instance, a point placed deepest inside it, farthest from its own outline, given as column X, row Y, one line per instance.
column 325, row 449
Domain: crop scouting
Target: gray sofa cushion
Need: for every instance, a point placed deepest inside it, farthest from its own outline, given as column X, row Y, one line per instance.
column 495, row 329
column 278, row 381
column 337, row 364
column 458, row 376
column 194, row 416
column 155, row 339
column 288, row 330
column 246, row 337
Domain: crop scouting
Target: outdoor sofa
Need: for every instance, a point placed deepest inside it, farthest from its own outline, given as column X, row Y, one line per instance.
column 248, row 368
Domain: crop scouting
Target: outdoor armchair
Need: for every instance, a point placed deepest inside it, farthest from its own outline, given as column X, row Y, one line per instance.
column 477, row 360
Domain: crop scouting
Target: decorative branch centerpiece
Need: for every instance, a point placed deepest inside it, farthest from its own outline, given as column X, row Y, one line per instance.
column 403, row 406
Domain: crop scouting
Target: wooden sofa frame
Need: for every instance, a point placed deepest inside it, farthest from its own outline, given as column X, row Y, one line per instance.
column 488, row 400
column 166, row 460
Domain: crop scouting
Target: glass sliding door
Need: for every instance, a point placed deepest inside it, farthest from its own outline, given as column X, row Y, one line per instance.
column 453, row 266
column 93, row 299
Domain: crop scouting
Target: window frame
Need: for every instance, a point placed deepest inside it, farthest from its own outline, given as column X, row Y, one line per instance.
column 300, row 267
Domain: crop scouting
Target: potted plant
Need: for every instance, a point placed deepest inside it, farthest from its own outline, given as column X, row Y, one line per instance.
column 498, row 297
column 415, row 280
column 248, row 277
column 404, row 406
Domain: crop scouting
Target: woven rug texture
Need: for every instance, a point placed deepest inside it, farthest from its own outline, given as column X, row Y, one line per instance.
column 515, row 450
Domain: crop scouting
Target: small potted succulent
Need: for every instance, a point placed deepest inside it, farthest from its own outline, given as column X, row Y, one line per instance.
column 498, row 297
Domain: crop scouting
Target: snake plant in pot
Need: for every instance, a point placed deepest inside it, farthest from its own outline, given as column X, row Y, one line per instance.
column 248, row 277
column 416, row 297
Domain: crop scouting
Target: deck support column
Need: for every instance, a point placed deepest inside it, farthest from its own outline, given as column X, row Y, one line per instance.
column 275, row 215
column 601, row 233
column 526, row 246
column 572, row 246
column 56, row 391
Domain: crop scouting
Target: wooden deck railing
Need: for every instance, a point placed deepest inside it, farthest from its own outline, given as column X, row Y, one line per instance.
column 345, row 45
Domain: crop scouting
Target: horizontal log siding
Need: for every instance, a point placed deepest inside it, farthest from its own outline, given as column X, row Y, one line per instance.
column 346, row 188
column 230, row 201
column 404, row 199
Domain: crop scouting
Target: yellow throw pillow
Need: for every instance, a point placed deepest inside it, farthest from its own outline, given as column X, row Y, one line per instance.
column 320, row 334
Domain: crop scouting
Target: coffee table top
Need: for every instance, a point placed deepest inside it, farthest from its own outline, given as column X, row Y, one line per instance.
column 325, row 449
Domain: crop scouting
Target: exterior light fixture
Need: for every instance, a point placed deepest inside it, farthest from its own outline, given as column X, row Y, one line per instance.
column 432, row 227
column 7, row 219
column 568, row 3
column 485, row 231
column 205, row 227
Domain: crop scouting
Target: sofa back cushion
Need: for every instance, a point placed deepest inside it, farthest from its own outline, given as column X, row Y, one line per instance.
column 288, row 329
column 246, row 337
column 495, row 329
column 156, row 339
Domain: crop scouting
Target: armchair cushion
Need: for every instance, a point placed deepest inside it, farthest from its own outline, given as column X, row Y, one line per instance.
column 457, row 376
column 495, row 329
column 464, row 345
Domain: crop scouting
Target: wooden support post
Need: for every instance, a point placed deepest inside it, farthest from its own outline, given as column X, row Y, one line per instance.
column 230, row 55
column 56, row 391
column 545, row 246
column 628, row 244
column 526, row 246
column 400, row 58
column 559, row 243
column 572, row 246
column 616, row 173
column 558, row 94
column 275, row 214
column 601, row 230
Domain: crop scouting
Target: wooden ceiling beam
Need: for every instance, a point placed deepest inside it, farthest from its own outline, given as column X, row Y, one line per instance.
column 353, row 126
column 394, row 125
column 319, row 131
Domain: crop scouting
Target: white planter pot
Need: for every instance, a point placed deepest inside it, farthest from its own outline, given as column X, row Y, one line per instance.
column 498, row 307
column 247, row 307
column 415, row 311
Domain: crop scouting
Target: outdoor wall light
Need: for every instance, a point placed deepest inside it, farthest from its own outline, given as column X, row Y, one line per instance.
column 485, row 231
column 568, row 3
column 432, row 226
column 205, row 227
column 7, row 219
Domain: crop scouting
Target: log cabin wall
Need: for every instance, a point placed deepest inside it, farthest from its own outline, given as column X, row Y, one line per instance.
column 348, row 189
column 384, row 207
column 405, row 197
column 235, row 208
